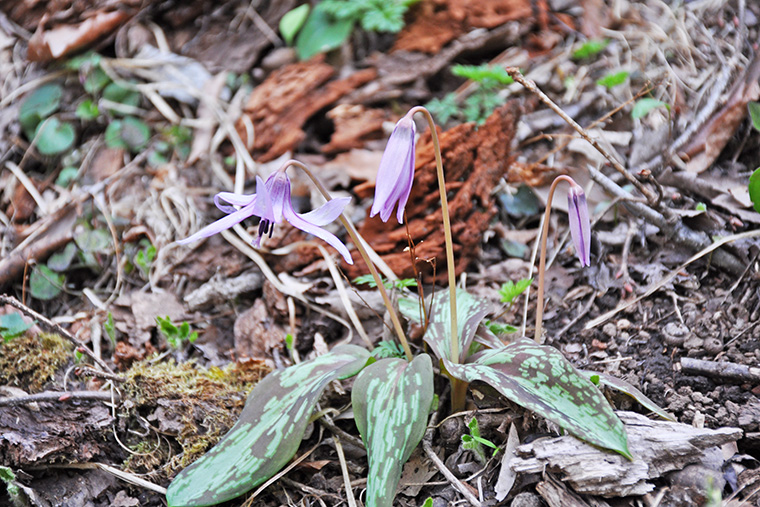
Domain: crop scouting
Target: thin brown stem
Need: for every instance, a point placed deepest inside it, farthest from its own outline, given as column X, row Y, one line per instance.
column 352, row 232
column 542, row 257
column 529, row 85
column 450, row 266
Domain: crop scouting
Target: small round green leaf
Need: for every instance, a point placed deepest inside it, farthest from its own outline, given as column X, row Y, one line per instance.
column 128, row 133
column 87, row 110
column 754, row 114
column 96, row 241
column 322, row 33
column 60, row 261
column 40, row 104
column 44, row 283
column 117, row 93
column 292, row 21
column 54, row 136
column 645, row 106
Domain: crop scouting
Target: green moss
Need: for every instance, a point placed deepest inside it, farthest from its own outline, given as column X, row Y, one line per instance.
column 194, row 405
column 30, row 362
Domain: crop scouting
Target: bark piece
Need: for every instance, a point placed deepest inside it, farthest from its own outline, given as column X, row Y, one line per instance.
column 256, row 334
column 474, row 160
column 354, row 125
column 438, row 22
column 658, row 447
column 282, row 104
column 52, row 433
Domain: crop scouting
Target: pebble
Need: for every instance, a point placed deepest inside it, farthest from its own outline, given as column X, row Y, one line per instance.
column 693, row 343
column 610, row 329
column 623, row 324
column 713, row 346
column 698, row 477
column 675, row 333
column 527, row 499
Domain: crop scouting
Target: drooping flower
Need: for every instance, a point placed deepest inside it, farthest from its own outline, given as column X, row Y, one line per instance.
column 580, row 227
column 271, row 203
column 396, row 172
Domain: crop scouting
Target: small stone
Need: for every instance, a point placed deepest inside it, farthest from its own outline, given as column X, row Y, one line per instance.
column 675, row 333
column 527, row 499
column 278, row 58
column 693, row 343
column 713, row 346
column 610, row 329
column 623, row 324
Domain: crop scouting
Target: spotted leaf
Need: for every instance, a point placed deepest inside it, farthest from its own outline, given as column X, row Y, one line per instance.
column 470, row 312
column 391, row 400
column 627, row 388
column 540, row 379
column 268, row 432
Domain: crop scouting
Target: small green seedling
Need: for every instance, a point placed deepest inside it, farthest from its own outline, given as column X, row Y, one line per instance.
column 614, row 79
column 292, row 22
column 590, row 48
column 510, row 290
column 145, row 257
column 175, row 336
column 395, row 284
column 474, row 442
column 645, row 106
column 387, row 349
column 110, row 329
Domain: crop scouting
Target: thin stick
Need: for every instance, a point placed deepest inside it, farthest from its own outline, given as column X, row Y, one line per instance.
column 360, row 247
column 450, row 267
column 57, row 396
column 344, row 469
column 542, row 259
column 531, row 87
column 52, row 326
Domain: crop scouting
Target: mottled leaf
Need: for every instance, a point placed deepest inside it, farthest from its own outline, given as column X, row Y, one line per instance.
column 391, row 400
column 630, row 390
column 754, row 189
column 540, row 379
column 268, row 433
column 470, row 311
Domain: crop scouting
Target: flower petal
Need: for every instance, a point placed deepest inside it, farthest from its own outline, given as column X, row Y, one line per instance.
column 328, row 212
column 298, row 222
column 580, row 227
column 263, row 206
column 234, row 200
column 395, row 171
column 220, row 225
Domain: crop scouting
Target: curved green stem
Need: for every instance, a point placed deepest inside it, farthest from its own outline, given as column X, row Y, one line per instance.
column 352, row 232
column 450, row 266
column 542, row 258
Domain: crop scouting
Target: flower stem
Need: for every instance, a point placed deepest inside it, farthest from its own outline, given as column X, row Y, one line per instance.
column 450, row 267
column 458, row 387
column 542, row 258
column 360, row 247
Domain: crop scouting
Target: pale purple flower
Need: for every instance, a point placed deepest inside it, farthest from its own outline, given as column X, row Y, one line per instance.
column 271, row 203
column 396, row 172
column 580, row 227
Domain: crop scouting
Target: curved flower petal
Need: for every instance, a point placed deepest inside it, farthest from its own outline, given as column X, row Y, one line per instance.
column 328, row 212
column 263, row 205
column 233, row 200
column 220, row 225
column 396, row 172
column 278, row 188
column 580, row 227
column 298, row 222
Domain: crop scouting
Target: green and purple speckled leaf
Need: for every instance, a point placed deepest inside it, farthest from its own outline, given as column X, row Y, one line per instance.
column 470, row 312
column 540, row 379
column 391, row 400
column 268, row 433
column 627, row 388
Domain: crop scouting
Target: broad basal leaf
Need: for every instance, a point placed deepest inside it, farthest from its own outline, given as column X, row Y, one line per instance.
column 540, row 379
column 470, row 312
column 268, row 432
column 391, row 400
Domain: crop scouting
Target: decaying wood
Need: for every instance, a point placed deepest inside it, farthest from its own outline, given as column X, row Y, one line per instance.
column 280, row 106
column 31, row 435
column 557, row 494
column 722, row 370
column 658, row 447
column 474, row 161
column 220, row 290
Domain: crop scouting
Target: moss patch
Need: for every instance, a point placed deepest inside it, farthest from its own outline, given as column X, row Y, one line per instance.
column 194, row 405
column 30, row 362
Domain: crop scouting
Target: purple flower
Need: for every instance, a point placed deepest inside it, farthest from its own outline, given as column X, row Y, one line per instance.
column 396, row 172
column 580, row 228
column 271, row 203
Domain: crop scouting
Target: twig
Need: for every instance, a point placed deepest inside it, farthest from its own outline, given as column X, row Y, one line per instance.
column 674, row 229
column 59, row 396
column 729, row 371
column 92, row 372
column 531, row 87
column 55, row 328
column 428, row 448
column 344, row 470
column 658, row 285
